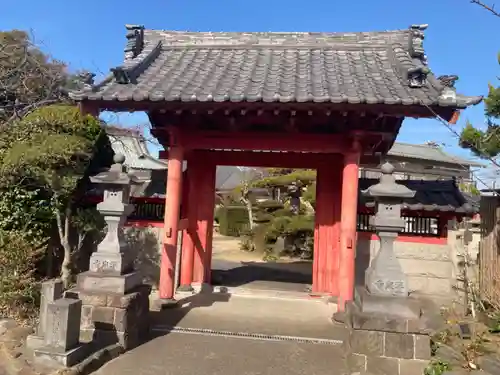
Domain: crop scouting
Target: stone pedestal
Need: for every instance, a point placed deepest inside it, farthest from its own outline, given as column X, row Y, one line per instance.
column 109, row 317
column 62, row 330
column 386, row 331
column 379, row 343
column 400, row 307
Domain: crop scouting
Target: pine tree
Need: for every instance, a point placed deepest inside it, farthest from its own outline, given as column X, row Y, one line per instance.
column 288, row 217
column 485, row 143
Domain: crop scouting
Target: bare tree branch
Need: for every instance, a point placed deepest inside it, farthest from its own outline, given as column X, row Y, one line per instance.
column 489, row 8
column 29, row 78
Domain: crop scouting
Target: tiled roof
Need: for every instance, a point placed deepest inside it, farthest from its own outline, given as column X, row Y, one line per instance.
column 388, row 67
column 132, row 145
column 441, row 195
column 428, row 152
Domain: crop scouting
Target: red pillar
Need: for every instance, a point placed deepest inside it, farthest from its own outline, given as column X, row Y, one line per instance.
column 335, row 177
column 347, row 251
column 325, row 261
column 205, row 218
column 189, row 235
column 171, row 225
column 209, row 218
column 320, row 239
column 337, row 212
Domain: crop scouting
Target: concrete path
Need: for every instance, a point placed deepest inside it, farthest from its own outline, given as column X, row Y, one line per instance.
column 238, row 335
column 183, row 354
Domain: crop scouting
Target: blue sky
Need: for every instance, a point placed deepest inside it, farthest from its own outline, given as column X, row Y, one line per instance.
column 91, row 35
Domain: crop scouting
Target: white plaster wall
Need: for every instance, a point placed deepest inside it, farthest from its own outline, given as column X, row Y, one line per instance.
column 429, row 267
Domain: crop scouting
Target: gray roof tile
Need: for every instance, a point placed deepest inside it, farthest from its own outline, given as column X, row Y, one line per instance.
column 441, row 195
column 132, row 144
column 369, row 68
column 428, row 152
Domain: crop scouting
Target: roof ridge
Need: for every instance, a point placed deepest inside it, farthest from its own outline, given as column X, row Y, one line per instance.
column 277, row 32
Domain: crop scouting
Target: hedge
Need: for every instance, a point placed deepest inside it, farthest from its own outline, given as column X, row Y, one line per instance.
column 233, row 220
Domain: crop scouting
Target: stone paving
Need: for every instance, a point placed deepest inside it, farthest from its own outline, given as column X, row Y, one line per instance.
column 209, row 354
column 183, row 354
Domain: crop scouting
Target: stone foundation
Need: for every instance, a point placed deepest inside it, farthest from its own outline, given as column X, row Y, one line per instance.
column 383, row 345
column 110, row 317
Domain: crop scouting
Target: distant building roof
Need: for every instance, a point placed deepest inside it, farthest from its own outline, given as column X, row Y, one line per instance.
column 428, row 152
column 132, row 144
column 228, row 178
column 441, row 195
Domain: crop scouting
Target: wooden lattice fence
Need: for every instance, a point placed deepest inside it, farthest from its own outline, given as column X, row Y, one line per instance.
column 489, row 251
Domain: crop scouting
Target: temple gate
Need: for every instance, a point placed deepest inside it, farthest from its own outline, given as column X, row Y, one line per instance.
column 329, row 101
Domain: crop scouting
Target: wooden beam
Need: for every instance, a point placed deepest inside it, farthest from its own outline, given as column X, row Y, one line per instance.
column 327, row 143
column 89, row 108
column 261, row 159
column 392, row 110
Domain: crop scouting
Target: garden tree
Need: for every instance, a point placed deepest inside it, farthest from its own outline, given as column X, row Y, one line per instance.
column 486, row 143
column 46, row 150
column 277, row 218
column 29, row 78
column 51, row 151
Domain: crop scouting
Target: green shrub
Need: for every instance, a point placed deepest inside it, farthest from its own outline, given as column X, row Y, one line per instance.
column 19, row 289
column 233, row 220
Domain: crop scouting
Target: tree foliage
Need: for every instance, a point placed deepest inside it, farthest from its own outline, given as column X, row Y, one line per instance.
column 47, row 150
column 485, row 143
column 276, row 219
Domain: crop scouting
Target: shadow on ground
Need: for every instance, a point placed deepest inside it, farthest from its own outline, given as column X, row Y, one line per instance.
column 239, row 274
column 171, row 316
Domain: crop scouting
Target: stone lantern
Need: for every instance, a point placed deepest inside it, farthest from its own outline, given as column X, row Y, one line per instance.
column 113, row 255
column 115, row 302
column 385, row 277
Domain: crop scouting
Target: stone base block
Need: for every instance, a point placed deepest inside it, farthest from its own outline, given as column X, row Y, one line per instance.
column 101, row 338
column 108, row 318
column 373, row 365
column 400, row 307
column 104, row 283
column 185, row 288
column 383, row 341
column 34, row 342
column 49, row 356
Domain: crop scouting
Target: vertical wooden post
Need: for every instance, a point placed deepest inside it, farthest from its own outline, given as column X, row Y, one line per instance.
column 208, row 215
column 325, row 269
column 350, row 182
column 172, row 216
column 333, row 222
column 319, row 238
column 205, row 218
column 200, row 232
column 189, row 235
column 327, row 228
column 337, row 201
